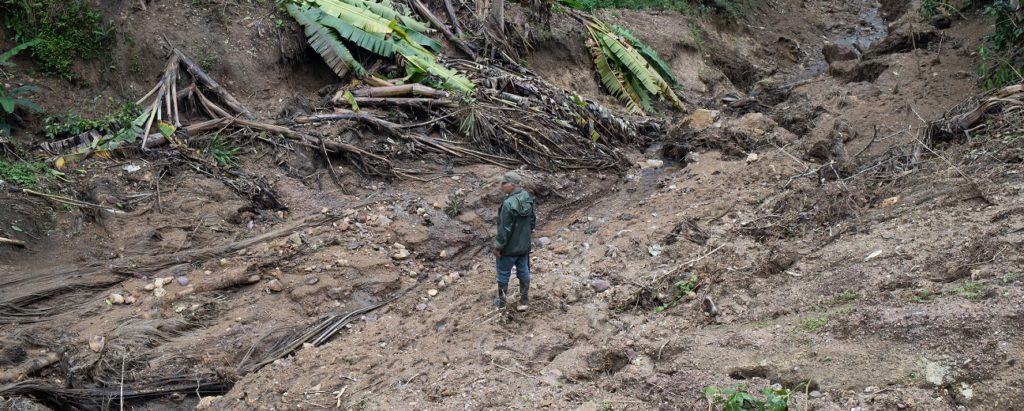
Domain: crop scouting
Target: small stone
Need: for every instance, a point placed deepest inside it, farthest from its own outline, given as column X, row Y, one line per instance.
column 275, row 286
column 183, row 281
column 400, row 254
column 600, row 285
column 454, row 276
column 652, row 163
column 752, row 157
column 432, row 292
column 312, row 280
column 443, row 254
column 116, row 299
column 344, row 225
column 692, row 157
column 324, row 210
column 691, row 295
column 701, row 119
column 97, row 342
column 149, row 287
column 543, row 241
column 253, row 279
column 335, row 293
column 129, row 300
column 159, row 292
column 815, row 394
column 421, row 307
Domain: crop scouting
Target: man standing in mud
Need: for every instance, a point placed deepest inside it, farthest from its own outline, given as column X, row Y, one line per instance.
column 516, row 220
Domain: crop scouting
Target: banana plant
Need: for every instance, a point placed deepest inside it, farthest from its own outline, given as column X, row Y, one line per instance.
column 629, row 69
column 377, row 27
column 14, row 98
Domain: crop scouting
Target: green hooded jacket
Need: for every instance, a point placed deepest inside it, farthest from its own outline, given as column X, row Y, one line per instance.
column 516, row 220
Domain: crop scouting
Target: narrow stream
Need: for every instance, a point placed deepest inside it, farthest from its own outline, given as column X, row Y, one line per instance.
column 870, row 28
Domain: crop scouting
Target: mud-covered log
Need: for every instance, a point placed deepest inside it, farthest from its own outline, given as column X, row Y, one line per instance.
column 29, row 367
column 407, row 102
column 8, row 241
column 405, row 90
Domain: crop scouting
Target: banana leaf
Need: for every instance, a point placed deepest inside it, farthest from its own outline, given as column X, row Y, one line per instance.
column 334, row 53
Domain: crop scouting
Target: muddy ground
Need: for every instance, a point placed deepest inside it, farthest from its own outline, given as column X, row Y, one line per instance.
column 820, row 265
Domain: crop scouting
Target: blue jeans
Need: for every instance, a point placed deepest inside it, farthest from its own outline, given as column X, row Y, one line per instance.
column 520, row 262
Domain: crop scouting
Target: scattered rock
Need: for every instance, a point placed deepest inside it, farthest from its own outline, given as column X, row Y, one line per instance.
column 600, row 285
column 709, row 306
column 206, row 403
column 400, row 252
column 752, row 157
column 116, row 299
column 335, row 293
column 873, row 255
column 839, row 52
column 183, row 281
column 654, row 250
column 421, row 307
column 756, row 123
column 344, row 225
column 253, row 279
column 149, row 287
column 432, row 292
column 468, row 217
column 701, row 119
column 275, row 286
column 312, row 279
column 295, row 239
column 129, row 300
column 543, row 241
column 652, row 163
column 159, row 292
column 815, row 394
column 97, row 342
column 692, row 157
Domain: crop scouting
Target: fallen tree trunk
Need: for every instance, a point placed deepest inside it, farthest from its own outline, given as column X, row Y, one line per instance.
column 217, row 89
column 425, row 12
column 8, row 241
column 405, row 90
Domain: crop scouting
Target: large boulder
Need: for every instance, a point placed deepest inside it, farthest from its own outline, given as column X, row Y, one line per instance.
column 839, row 52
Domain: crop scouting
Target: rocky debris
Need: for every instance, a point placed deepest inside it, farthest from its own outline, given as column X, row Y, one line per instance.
column 834, row 52
column 701, row 119
column 432, row 292
column 116, row 299
column 97, row 342
column 755, row 123
column 600, row 285
column 159, row 292
column 421, row 307
column 543, row 241
column 655, row 250
column 275, row 286
column 312, row 279
column 400, row 252
column 652, row 164
column 183, row 281
column 468, row 217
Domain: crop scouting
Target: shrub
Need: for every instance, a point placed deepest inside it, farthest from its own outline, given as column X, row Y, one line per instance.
column 1003, row 63
column 65, row 29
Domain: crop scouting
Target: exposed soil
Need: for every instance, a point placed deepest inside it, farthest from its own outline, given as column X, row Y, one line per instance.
column 820, row 265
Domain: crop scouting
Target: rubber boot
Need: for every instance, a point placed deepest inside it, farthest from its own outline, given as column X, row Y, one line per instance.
column 524, row 296
column 502, row 292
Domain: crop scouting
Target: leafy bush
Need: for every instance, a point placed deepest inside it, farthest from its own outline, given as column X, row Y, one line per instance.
column 1003, row 63
column 12, row 99
column 775, row 399
column 71, row 124
column 65, row 29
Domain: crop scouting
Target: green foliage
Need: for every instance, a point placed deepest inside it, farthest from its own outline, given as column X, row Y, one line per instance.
column 222, row 151
column 815, row 322
column 380, row 28
column 454, row 205
column 682, row 289
column 932, row 7
column 1013, row 277
column 630, row 70
column 22, row 174
column 13, row 98
column 971, row 290
column 71, row 124
column 737, row 399
column 845, row 297
column 66, row 30
column 921, row 296
column 1003, row 63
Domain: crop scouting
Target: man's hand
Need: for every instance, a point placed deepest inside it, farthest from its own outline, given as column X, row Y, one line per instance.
column 497, row 252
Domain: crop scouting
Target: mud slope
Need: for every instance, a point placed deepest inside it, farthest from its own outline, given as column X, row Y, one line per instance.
column 826, row 252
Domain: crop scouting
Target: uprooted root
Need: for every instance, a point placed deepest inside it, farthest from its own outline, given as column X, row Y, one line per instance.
column 802, row 210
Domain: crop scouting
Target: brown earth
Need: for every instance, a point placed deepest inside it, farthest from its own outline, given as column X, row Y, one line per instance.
column 872, row 288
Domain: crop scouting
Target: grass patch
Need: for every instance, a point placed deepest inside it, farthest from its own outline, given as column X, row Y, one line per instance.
column 22, row 174
column 1013, row 277
column 815, row 323
column 971, row 290
column 222, row 151
column 921, row 296
column 455, row 205
column 845, row 297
